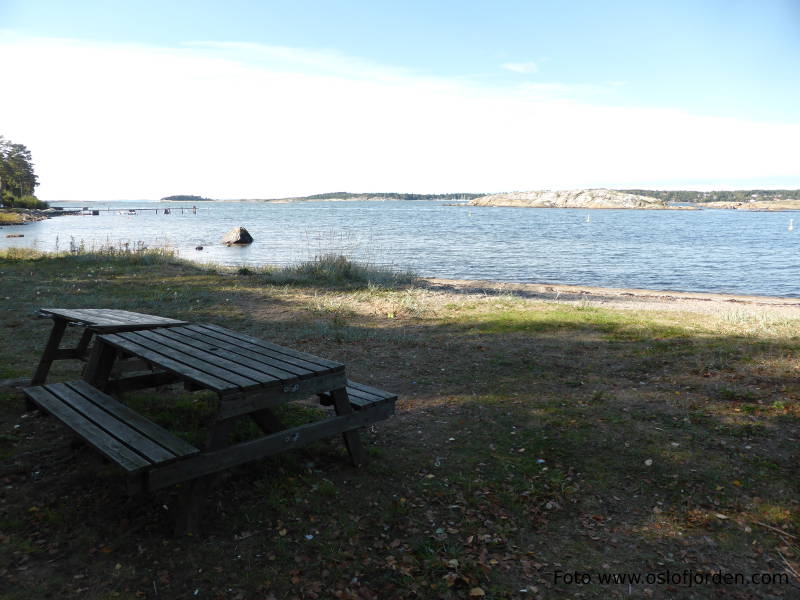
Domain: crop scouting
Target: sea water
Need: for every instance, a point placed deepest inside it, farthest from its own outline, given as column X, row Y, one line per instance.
column 725, row 251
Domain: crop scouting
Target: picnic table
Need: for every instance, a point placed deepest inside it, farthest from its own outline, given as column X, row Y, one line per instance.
column 250, row 377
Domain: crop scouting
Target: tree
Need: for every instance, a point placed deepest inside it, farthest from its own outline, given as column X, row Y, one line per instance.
column 17, row 177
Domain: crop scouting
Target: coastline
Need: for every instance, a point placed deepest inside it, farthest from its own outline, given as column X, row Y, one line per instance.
column 622, row 298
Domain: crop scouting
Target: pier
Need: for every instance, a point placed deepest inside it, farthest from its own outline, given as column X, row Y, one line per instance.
column 88, row 210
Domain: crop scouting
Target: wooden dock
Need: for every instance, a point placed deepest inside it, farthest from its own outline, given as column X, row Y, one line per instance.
column 88, row 210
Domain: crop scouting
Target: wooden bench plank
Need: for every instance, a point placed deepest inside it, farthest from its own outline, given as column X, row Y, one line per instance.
column 132, row 438
column 175, row 445
column 94, row 435
column 361, row 387
column 360, row 399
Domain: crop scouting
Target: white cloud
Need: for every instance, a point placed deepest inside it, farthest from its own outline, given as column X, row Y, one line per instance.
column 107, row 121
column 521, row 67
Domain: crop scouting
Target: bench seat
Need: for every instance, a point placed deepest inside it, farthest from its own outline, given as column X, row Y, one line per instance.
column 362, row 397
column 119, row 433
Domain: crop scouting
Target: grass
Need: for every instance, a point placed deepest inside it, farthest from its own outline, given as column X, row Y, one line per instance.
column 531, row 437
column 10, row 218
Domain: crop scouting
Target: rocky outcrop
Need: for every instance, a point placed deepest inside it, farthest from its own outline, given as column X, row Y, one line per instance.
column 238, row 236
column 599, row 198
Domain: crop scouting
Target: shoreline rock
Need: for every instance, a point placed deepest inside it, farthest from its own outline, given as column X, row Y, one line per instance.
column 593, row 198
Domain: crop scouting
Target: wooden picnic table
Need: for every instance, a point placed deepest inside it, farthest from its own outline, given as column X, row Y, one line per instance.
column 93, row 320
column 250, row 377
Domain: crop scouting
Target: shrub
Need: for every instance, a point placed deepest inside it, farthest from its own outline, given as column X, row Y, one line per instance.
column 336, row 269
column 30, row 202
column 26, row 201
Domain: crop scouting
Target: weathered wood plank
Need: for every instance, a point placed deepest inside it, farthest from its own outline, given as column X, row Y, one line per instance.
column 300, row 367
column 226, row 458
column 361, row 387
column 352, row 441
column 165, row 362
column 270, row 346
column 50, row 349
column 158, row 434
column 94, row 435
column 190, row 359
column 111, row 424
column 141, row 382
column 242, row 404
column 245, row 376
column 359, row 399
column 247, row 357
column 105, row 319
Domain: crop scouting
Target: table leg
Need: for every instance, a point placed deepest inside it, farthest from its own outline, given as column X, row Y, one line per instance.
column 83, row 344
column 195, row 494
column 50, row 351
column 101, row 361
column 352, row 441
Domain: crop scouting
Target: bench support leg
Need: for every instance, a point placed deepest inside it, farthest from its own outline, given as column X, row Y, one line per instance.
column 352, row 441
column 50, row 350
column 195, row 495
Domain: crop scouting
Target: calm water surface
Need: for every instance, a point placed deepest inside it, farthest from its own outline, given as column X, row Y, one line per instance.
column 705, row 251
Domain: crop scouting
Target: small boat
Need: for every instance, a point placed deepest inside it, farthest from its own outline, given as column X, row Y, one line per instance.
column 588, row 218
column 791, row 225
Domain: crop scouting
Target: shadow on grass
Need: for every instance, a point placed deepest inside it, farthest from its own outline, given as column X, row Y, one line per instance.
column 563, row 437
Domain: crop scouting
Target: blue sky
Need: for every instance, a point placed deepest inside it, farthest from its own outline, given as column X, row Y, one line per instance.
column 493, row 75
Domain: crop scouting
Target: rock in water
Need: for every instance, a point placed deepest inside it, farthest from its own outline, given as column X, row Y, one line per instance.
column 237, row 235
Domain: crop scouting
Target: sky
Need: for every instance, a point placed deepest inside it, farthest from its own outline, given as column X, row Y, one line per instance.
column 266, row 99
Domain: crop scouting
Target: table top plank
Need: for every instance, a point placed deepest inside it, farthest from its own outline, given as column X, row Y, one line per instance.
column 109, row 320
column 195, row 375
column 204, row 362
column 285, row 355
column 270, row 346
column 265, row 358
column 229, row 351
column 245, row 376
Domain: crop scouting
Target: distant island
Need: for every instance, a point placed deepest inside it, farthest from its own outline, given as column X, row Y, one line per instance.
column 755, row 200
column 637, row 199
column 375, row 196
column 185, row 198
column 599, row 198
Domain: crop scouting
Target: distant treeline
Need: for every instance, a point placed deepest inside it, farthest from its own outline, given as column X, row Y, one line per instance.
column 186, row 198
column 390, row 196
column 721, row 196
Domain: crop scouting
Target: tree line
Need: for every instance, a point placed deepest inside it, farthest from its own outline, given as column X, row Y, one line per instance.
column 388, row 195
column 717, row 196
column 17, row 176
